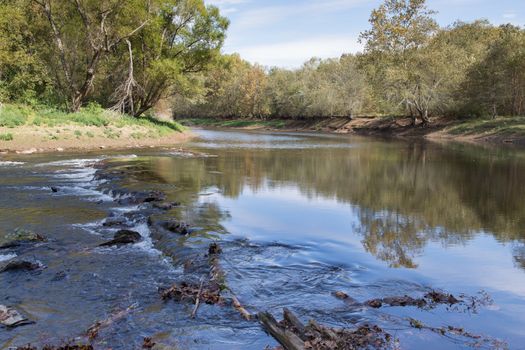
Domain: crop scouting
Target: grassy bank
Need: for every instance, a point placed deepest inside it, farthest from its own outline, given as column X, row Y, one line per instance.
column 498, row 130
column 42, row 128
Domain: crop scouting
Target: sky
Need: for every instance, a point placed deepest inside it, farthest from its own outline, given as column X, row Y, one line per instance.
column 286, row 33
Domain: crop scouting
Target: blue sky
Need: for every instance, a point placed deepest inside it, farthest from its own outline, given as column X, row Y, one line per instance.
column 288, row 32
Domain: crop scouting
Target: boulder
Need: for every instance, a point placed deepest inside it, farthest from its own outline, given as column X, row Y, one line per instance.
column 20, row 265
column 18, row 237
column 123, row 237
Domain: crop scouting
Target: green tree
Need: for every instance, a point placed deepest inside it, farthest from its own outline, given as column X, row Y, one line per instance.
column 396, row 56
column 182, row 38
column 22, row 74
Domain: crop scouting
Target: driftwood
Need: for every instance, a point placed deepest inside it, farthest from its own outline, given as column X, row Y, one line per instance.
column 217, row 274
column 197, row 302
column 285, row 337
column 92, row 332
column 293, row 335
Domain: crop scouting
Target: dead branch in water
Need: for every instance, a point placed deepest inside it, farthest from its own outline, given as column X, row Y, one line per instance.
column 197, row 302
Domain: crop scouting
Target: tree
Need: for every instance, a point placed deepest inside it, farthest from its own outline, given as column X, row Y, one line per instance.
column 395, row 50
column 182, row 38
column 496, row 83
column 83, row 32
column 22, row 74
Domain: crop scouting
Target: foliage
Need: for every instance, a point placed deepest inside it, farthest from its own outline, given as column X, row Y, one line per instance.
column 130, row 55
column 122, row 54
column 93, row 115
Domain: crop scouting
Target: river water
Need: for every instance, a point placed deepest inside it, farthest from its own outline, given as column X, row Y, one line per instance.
column 298, row 218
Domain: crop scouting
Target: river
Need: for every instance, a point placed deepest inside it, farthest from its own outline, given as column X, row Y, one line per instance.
column 298, row 217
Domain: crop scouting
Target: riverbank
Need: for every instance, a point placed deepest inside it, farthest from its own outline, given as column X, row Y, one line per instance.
column 29, row 130
column 509, row 130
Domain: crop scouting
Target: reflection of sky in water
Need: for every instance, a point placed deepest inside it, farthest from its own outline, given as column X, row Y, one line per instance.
column 285, row 214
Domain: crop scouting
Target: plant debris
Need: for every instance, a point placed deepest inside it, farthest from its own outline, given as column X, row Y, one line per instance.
column 460, row 335
column 209, row 294
column 148, row 343
column 293, row 335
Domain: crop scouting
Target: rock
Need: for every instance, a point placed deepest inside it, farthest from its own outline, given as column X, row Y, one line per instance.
column 214, row 249
column 20, row 265
column 54, row 189
column 18, row 237
column 59, row 149
column 117, row 221
column 11, row 318
column 166, row 206
column 177, row 227
column 341, row 295
column 375, row 303
column 123, row 237
column 154, row 196
column 28, row 151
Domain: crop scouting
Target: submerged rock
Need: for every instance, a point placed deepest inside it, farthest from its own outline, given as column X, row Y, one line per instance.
column 11, row 318
column 114, row 221
column 18, row 237
column 177, row 227
column 214, row 249
column 166, row 206
column 123, row 237
column 20, row 265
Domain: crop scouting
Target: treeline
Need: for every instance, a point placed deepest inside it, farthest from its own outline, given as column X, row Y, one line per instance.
column 128, row 55
column 410, row 66
column 123, row 54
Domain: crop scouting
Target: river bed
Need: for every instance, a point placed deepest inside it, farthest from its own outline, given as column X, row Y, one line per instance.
column 298, row 216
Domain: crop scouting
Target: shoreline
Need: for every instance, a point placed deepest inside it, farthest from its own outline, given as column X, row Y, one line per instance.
column 480, row 132
column 30, row 141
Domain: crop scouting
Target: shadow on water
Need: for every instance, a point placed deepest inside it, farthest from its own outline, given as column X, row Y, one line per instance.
column 298, row 217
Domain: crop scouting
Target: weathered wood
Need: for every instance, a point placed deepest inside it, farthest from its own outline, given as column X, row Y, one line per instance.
column 197, row 300
column 238, row 306
column 286, row 338
column 292, row 320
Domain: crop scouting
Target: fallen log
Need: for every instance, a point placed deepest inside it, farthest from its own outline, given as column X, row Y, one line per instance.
column 286, row 338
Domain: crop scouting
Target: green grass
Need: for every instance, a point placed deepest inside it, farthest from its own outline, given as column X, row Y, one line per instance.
column 12, row 116
column 6, row 137
column 500, row 125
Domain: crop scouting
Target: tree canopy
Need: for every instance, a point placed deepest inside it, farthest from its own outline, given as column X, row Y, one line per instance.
column 128, row 55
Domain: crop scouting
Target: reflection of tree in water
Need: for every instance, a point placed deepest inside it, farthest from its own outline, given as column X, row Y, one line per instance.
column 391, row 237
column 407, row 194
column 519, row 254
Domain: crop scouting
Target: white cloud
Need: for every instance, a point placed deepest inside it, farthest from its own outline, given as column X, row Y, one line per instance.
column 294, row 53
column 509, row 15
column 271, row 14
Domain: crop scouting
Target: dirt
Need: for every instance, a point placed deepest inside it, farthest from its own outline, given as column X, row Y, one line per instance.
column 33, row 139
column 396, row 127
